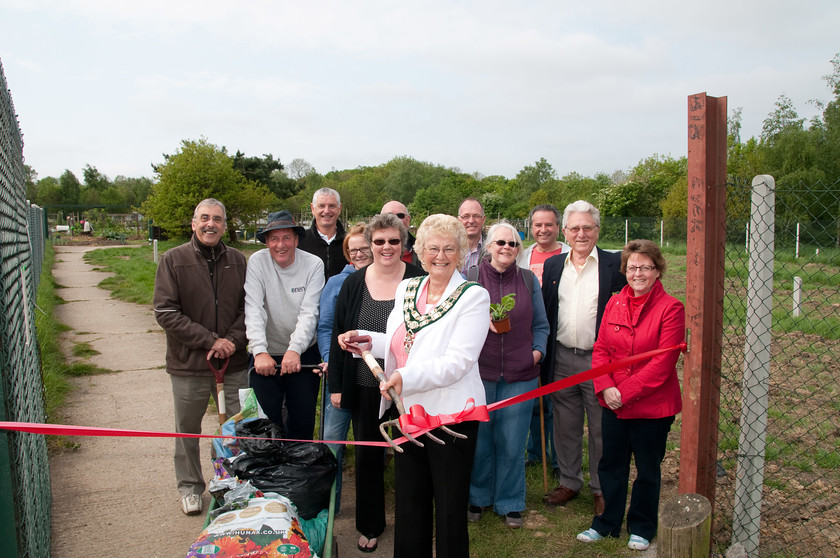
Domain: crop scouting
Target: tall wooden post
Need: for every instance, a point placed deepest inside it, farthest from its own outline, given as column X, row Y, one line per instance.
column 704, row 293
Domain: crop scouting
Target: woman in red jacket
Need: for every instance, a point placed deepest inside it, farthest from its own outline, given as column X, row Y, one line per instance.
column 639, row 401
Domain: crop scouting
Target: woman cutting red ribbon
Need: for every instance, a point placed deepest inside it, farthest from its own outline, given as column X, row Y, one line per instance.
column 431, row 346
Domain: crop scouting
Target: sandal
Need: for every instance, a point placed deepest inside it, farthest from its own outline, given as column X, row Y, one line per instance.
column 363, row 546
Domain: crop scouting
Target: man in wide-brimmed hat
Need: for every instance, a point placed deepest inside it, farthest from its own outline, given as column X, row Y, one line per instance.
column 282, row 290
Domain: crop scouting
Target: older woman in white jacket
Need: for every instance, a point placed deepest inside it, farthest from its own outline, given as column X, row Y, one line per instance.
column 431, row 347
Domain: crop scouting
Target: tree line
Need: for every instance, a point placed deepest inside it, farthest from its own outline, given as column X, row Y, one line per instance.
column 793, row 150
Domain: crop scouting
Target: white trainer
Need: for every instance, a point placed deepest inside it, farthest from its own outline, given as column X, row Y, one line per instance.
column 590, row 535
column 638, row 543
column 191, row 504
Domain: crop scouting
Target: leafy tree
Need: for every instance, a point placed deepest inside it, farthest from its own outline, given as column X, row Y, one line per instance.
column 70, row 188
column 197, row 171
column 298, row 169
column 532, row 178
column 49, row 192
column 268, row 171
column 95, row 179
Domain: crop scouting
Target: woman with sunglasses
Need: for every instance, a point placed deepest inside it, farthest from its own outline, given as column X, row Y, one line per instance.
column 509, row 366
column 364, row 302
column 431, row 347
column 337, row 421
column 640, row 401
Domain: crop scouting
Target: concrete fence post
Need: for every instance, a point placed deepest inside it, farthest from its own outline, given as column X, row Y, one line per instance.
column 797, row 296
column 749, row 478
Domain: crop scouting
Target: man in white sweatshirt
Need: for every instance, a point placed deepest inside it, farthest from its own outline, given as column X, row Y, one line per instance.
column 282, row 291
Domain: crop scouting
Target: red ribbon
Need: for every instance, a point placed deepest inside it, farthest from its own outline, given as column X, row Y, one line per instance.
column 416, row 422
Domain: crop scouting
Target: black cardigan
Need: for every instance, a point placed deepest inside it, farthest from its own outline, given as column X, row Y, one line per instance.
column 342, row 369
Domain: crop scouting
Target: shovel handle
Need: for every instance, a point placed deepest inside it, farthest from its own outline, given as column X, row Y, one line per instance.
column 219, row 376
column 218, row 373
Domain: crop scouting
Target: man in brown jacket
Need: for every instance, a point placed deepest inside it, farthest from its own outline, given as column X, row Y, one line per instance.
column 199, row 300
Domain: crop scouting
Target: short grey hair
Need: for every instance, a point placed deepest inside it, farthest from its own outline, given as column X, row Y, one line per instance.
column 326, row 192
column 582, row 206
column 386, row 221
column 210, row 202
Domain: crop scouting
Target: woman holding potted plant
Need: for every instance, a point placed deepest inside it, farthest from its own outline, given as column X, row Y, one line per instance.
column 509, row 366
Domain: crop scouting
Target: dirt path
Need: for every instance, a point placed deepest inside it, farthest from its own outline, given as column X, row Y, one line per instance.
column 117, row 496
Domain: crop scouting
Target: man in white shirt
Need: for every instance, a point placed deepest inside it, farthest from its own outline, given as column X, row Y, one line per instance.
column 471, row 215
column 576, row 289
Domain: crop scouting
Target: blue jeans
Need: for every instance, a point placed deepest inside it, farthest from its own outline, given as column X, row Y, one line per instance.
column 534, row 450
column 498, row 474
column 336, row 427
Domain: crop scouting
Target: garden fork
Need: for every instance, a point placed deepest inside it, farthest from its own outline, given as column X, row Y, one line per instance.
column 370, row 360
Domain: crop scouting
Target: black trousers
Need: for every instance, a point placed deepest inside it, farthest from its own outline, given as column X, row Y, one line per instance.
column 298, row 391
column 370, row 463
column 645, row 440
column 433, row 489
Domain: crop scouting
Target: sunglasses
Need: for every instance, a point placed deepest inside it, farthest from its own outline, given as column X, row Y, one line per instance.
column 400, row 215
column 511, row 243
column 391, row 241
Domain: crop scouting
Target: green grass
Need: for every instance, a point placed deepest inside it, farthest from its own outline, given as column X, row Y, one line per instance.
column 84, row 350
column 134, row 268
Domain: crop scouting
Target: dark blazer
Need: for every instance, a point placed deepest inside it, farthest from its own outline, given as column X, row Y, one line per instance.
column 610, row 281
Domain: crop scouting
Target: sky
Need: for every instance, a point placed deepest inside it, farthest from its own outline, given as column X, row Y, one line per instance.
column 484, row 87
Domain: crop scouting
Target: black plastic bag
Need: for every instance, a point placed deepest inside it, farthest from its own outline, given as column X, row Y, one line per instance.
column 303, row 472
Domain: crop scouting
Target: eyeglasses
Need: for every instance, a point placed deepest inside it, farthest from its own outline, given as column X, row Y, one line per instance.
column 400, row 215
column 642, row 268
column 511, row 243
column 468, row 216
column 435, row 250
column 391, row 241
column 586, row 229
column 354, row 251
column 215, row 218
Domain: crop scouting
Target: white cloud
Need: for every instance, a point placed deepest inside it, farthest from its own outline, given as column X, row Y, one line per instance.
column 483, row 86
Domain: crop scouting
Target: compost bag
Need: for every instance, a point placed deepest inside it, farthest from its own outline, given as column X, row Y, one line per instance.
column 301, row 471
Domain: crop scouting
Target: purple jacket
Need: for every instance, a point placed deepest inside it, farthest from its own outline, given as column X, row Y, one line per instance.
column 508, row 355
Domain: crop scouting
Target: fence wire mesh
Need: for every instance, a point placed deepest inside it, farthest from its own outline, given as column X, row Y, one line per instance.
column 793, row 447
column 24, row 466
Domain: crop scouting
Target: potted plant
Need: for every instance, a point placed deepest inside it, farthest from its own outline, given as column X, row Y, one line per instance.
column 498, row 313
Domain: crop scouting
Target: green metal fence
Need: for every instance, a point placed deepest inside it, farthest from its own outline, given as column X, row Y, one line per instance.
column 24, row 466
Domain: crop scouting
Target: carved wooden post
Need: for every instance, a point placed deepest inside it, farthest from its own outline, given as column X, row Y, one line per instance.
column 704, row 293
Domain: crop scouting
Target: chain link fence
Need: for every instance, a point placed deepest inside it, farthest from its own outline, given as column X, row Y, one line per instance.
column 25, row 498
column 779, row 432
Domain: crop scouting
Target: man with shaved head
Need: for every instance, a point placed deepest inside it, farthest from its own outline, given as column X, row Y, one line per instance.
column 401, row 211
